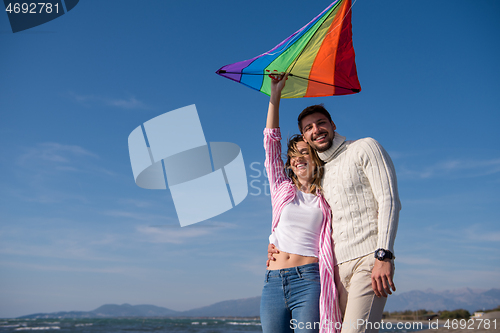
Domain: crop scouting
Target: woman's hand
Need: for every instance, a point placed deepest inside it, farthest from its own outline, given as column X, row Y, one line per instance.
column 278, row 81
column 277, row 85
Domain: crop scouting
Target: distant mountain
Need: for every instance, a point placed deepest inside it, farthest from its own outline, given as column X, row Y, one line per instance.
column 466, row 298
column 111, row 310
column 62, row 315
column 127, row 310
column 246, row 307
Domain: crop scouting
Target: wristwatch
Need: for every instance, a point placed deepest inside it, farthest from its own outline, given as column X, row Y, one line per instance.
column 382, row 254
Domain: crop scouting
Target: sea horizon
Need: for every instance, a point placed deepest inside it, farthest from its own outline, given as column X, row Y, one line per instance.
column 142, row 324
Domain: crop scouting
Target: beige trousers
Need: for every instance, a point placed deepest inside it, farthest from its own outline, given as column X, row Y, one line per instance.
column 361, row 309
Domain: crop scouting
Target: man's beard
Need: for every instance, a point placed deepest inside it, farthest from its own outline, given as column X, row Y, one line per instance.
column 325, row 148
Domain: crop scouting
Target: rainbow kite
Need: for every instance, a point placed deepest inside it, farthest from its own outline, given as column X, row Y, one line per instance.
column 319, row 59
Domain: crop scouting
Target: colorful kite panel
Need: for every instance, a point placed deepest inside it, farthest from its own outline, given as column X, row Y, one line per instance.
column 319, row 58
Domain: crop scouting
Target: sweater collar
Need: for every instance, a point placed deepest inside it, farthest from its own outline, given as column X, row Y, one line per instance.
column 330, row 153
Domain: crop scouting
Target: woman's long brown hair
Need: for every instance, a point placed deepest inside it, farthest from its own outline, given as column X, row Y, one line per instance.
column 318, row 170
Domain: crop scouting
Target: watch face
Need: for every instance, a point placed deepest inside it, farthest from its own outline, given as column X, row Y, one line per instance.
column 381, row 253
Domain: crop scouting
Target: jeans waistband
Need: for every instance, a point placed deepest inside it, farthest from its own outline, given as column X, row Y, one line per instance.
column 297, row 270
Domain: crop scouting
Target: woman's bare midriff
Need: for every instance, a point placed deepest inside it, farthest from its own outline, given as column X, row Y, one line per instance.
column 287, row 260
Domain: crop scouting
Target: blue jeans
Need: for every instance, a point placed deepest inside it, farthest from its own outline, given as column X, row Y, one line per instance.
column 290, row 300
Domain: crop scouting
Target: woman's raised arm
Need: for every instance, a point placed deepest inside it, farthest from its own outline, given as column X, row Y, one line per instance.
column 277, row 85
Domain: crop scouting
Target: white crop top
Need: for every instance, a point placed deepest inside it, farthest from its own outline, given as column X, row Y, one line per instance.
column 299, row 228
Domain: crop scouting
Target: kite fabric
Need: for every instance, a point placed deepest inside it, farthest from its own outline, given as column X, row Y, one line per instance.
column 319, row 59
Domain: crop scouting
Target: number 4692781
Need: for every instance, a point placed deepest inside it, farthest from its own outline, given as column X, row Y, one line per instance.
column 32, row 8
column 471, row 324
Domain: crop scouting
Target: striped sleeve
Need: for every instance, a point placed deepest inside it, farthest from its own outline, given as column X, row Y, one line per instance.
column 275, row 167
column 330, row 316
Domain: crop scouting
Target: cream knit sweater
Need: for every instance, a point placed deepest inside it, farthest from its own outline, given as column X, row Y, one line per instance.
column 360, row 186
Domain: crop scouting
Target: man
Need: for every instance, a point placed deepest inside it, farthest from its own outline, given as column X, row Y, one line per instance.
column 360, row 186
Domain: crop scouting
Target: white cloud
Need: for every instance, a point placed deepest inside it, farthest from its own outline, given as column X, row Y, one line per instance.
column 174, row 235
column 124, row 103
column 255, row 265
column 457, row 168
column 478, row 233
column 131, row 103
column 137, row 216
column 55, row 153
column 41, row 192
column 415, row 260
column 65, row 268
column 55, row 251
column 76, row 246
column 421, row 278
column 52, row 172
column 136, row 203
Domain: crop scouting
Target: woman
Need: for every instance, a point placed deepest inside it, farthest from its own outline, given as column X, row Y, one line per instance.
column 299, row 294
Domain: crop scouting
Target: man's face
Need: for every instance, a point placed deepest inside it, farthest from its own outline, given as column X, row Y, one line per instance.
column 318, row 131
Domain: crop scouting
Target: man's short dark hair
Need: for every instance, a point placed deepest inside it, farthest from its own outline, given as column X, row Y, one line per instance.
column 319, row 108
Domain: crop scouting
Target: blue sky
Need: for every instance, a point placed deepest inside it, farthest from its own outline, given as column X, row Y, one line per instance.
column 75, row 230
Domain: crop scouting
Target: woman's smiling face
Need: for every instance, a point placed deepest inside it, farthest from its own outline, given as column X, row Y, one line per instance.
column 302, row 163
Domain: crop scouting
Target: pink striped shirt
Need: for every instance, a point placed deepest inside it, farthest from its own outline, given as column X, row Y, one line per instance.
column 282, row 193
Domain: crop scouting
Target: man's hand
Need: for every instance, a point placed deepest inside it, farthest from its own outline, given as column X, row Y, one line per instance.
column 271, row 249
column 382, row 274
